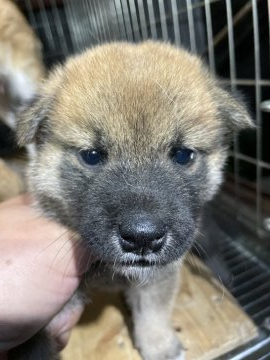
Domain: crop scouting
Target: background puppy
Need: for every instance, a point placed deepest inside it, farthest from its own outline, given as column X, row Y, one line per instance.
column 21, row 67
column 21, row 70
column 131, row 141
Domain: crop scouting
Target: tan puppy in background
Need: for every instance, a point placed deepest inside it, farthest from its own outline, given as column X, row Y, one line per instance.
column 131, row 141
column 21, row 71
column 21, row 66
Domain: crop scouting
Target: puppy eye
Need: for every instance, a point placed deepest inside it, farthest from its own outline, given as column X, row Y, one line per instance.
column 183, row 156
column 92, row 157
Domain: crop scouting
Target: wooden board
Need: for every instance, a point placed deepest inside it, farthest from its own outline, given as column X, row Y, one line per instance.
column 11, row 183
column 208, row 320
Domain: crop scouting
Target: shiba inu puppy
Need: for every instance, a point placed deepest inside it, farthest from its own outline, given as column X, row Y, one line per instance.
column 131, row 141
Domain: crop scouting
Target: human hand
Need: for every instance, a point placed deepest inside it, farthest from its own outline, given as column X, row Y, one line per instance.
column 40, row 268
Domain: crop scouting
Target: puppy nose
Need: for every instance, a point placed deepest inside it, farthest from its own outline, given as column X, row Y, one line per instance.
column 141, row 234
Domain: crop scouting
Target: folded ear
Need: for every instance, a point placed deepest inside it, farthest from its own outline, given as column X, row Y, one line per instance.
column 233, row 112
column 34, row 116
column 30, row 119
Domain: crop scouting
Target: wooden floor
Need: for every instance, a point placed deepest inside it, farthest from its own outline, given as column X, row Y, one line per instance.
column 206, row 317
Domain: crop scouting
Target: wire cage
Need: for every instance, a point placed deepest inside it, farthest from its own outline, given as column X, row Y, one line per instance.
column 233, row 37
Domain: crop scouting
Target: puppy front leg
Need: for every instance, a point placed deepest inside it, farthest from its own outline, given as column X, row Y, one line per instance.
column 151, row 307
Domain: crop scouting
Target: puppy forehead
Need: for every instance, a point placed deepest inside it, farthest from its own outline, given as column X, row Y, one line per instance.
column 143, row 92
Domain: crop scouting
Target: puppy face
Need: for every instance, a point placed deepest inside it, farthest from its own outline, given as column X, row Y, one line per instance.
column 130, row 143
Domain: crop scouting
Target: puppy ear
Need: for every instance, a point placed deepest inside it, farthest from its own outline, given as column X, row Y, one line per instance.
column 30, row 119
column 233, row 112
column 33, row 117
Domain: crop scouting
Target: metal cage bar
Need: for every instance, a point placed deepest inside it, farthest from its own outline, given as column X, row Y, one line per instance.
column 152, row 20
column 142, row 18
column 209, row 31
column 191, row 27
column 176, row 28
column 258, row 113
column 162, row 13
column 233, row 88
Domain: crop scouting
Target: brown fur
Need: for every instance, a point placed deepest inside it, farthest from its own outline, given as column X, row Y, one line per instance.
column 163, row 91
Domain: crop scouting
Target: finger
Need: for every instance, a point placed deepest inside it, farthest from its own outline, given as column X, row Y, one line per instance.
column 34, row 283
column 62, row 324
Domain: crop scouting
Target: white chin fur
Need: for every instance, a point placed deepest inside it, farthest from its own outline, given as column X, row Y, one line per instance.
column 137, row 275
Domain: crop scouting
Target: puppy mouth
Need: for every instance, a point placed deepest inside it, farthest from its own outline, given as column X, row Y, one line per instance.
column 129, row 264
column 137, row 263
column 118, row 260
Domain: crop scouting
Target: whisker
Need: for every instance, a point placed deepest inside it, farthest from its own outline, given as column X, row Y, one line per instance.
column 165, row 92
column 199, row 248
column 54, row 241
column 71, row 238
column 75, row 245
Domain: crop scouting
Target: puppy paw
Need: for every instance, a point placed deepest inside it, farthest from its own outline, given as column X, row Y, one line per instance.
column 167, row 347
column 182, row 356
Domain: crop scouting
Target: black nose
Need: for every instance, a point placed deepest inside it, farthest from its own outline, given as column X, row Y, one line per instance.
column 141, row 234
